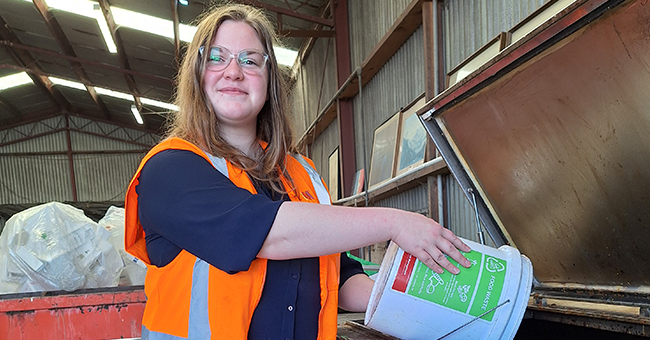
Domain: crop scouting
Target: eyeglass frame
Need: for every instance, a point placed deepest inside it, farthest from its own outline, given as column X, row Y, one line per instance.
column 232, row 56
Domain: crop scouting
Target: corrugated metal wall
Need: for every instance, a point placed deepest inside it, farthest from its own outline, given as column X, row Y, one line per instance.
column 368, row 22
column 323, row 147
column 316, row 80
column 112, row 132
column 469, row 24
column 104, row 177
column 415, row 200
column 315, row 84
column 53, row 142
column 33, row 178
column 396, row 85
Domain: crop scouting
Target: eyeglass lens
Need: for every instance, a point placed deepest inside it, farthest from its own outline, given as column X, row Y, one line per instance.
column 251, row 61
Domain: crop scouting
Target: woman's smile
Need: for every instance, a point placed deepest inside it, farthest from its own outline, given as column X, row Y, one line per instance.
column 231, row 90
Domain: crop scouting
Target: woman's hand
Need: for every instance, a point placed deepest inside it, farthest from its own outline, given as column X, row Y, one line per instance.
column 427, row 240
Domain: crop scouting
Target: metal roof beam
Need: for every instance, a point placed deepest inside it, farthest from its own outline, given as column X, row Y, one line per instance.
column 117, row 38
column 44, row 74
column 308, row 33
column 19, row 46
column 177, row 39
column 288, row 12
column 306, row 46
column 66, row 47
column 26, row 60
column 124, row 62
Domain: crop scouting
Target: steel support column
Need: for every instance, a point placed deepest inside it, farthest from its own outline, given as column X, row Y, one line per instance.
column 433, row 58
column 73, row 182
column 345, row 112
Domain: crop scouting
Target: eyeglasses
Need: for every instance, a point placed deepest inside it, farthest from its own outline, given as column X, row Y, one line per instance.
column 251, row 61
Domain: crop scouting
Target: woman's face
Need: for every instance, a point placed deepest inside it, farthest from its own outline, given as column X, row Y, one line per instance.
column 236, row 96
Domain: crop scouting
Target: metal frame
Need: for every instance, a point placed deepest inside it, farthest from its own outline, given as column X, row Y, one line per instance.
column 577, row 15
column 587, row 305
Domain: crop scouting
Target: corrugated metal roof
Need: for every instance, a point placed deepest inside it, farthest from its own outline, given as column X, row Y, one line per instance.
column 28, row 44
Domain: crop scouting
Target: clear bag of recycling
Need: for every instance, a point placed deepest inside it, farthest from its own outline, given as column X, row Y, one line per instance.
column 54, row 246
column 135, row 270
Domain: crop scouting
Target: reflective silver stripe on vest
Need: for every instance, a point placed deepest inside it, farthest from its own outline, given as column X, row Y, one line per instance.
column 316, row 181
column 149, row 335
column 219, row 163
column 199, row 323
column 321, row 192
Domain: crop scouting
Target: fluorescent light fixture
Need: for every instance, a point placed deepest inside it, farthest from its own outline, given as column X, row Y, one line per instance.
column 186, row 32
column 88, row 9
column 136, row 114
column 106, row 32
column 285, row 56
column 80, row 7
column 107, row 92
column 145, row 23
column 114, row 94
column 68, row 83
column 14, row 80
column 147, row 101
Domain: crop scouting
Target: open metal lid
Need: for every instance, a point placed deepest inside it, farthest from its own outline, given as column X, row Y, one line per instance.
column 553, row 134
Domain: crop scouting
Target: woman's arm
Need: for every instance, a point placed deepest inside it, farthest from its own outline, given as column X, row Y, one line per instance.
column 184, row 203
column 355, row 293
column 306, row 229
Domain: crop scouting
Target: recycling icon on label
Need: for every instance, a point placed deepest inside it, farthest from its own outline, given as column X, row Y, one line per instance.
column 493, row 265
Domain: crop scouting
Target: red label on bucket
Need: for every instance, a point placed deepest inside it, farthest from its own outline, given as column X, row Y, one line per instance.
column 404, row 273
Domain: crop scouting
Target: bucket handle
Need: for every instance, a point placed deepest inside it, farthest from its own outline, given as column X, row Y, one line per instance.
column 476, row 318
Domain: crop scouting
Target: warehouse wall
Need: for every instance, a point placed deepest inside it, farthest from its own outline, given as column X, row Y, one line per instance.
column 396, row 85
column 323, row 147
column 35, row 168
column 369, row 20
column 315, row 84
column 467, row 26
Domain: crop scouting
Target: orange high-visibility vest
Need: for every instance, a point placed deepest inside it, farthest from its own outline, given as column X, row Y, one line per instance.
column 189, row 298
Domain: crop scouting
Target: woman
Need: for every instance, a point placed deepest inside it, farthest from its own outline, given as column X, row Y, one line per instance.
column 221, row 210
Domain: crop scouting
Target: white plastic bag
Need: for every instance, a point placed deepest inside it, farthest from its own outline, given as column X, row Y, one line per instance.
column 135, row 270
column 54, row 246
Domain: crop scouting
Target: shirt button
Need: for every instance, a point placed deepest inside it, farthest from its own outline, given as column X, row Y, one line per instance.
column 290, row 308
column 294, row 276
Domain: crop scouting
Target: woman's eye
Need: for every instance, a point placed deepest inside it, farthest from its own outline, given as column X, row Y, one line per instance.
column 248, row 61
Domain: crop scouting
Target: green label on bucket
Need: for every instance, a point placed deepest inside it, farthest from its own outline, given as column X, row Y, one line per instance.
column 473, row 291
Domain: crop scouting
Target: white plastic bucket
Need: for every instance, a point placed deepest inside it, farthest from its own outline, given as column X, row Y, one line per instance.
column 410, row 301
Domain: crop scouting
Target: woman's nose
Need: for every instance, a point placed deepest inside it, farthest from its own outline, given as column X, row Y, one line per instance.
column 233, row 71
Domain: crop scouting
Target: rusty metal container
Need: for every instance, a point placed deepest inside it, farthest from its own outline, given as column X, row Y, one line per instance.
column 552, row 136
column 102, row 313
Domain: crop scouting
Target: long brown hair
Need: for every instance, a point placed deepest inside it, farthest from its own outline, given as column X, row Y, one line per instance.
column 196, row 120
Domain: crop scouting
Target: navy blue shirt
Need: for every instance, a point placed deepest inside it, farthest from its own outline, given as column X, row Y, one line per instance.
column 185, row 203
